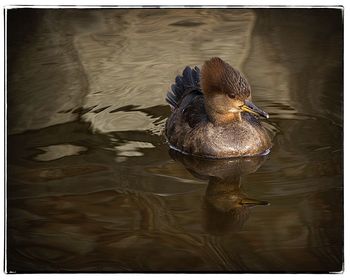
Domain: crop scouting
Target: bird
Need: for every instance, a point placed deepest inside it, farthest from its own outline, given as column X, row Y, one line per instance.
column 212, row 114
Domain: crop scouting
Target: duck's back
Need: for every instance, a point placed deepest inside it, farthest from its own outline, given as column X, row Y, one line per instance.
column 189, row 130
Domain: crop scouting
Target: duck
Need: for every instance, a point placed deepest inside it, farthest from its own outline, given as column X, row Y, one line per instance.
column 212, row 114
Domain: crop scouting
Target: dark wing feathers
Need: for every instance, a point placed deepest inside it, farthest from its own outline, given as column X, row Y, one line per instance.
column 195, row 74
column 171, row 100
column 187, row 77
column 185, row 84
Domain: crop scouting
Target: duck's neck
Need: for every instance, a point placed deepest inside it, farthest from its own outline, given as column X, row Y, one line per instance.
column 217, row 186
column 222, row 117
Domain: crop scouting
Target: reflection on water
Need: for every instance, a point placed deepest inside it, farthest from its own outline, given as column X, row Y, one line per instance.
column 226, row 205
column 91, row 184
column 58, row 151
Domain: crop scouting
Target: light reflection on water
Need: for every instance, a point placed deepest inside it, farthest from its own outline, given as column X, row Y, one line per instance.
column 91, row 183
column 58, row 151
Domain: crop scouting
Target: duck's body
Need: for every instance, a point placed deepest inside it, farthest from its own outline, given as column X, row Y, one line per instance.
column 208, row 122
column 196, row 135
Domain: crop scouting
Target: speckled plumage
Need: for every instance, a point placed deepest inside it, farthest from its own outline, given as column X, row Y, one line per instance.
column 190, row 128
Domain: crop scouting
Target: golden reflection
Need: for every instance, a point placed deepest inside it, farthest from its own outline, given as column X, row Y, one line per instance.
column 225, row 205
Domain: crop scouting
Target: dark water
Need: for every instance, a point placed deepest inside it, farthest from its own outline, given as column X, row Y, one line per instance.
column 91, row 185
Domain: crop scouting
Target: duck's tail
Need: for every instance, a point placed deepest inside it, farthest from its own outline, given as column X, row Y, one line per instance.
column 185, row 84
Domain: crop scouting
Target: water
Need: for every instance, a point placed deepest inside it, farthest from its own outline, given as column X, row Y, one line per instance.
column 91, row 183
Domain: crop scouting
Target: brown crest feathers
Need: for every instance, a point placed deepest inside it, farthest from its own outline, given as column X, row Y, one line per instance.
column 218, row 76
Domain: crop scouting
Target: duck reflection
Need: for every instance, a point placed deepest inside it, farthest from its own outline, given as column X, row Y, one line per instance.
column 226, row 206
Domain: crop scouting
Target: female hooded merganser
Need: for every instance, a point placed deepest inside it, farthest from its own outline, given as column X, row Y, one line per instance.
column 212, row 114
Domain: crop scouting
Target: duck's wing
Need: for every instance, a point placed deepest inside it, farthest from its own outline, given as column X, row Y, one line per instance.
column 187, row 103
column 193, row 110
column 184, row 85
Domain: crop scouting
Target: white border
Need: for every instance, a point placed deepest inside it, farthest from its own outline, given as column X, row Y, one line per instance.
column 179, row 2
column 134, row 3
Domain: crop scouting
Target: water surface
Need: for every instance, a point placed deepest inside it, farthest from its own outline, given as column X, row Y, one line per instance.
column 91, row 185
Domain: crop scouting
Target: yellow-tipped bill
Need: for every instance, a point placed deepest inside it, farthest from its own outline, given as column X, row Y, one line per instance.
column 251, row 108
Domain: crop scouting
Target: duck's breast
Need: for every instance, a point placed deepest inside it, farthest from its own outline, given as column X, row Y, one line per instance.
column 245, row 138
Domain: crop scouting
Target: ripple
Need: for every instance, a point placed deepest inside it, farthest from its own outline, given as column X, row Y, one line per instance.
column 132, row 148
column 54, row 152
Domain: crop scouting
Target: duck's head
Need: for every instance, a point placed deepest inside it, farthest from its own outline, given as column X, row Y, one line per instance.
column 227, row 92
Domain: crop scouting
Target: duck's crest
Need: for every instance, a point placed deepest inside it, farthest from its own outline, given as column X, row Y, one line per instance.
column 185, row 84
column 219, row 76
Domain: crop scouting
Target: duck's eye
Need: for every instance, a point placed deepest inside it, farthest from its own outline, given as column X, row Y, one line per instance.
column 232, row 95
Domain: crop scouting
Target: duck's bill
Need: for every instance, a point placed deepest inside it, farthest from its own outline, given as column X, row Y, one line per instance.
column 251, row 108
column 251, row 202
